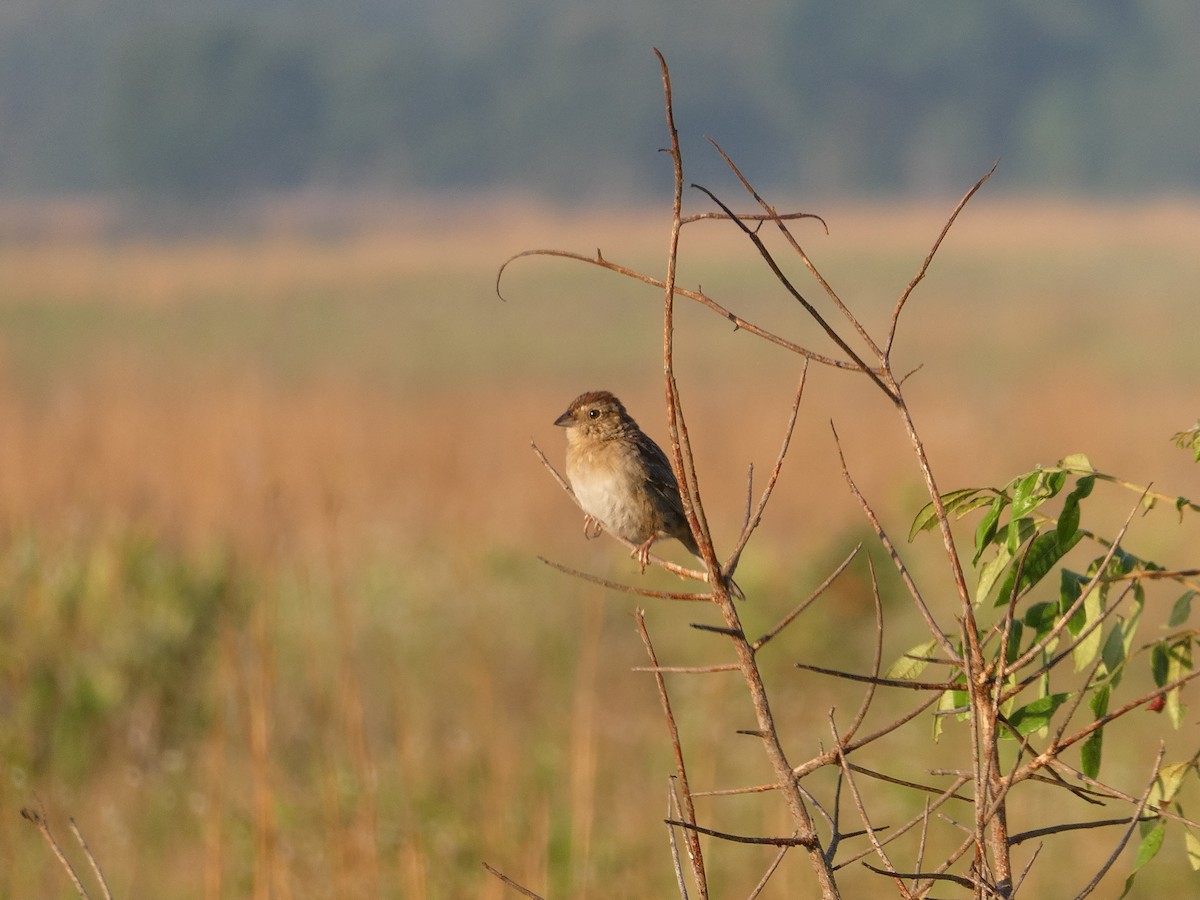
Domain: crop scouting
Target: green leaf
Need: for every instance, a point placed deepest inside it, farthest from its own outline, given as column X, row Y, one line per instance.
column 1114, row 650
column 957, row 504
column 1151, row 843
column 1167, row 784
column 991, row 571
column 986, row 530
column 950, row 699
column 1179, row 664
column 1014, row 641
column 1158, row 663
column 1094, row 745
column 1085, row 650
column 1182, row 610
column 1036, row 715
column 1041, row 617
column 1044, row 554
column 907, row 667
column 1192, row 845
column 1076, row 462
column 1068, row 519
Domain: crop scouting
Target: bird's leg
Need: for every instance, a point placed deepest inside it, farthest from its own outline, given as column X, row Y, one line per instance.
column 642, row 553
column 592, row 527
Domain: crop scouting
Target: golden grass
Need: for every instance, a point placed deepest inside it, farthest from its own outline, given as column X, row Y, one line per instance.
column 327, row 431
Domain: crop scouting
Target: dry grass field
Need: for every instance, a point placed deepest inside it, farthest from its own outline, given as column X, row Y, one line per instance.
column 274, row 622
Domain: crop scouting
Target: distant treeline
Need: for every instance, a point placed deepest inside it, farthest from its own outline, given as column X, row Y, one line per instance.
column 178, row 100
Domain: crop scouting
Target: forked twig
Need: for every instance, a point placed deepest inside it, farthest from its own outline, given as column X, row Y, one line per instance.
column 887, row 351
column 43, row 826
column 753, row 521
column 862, row 810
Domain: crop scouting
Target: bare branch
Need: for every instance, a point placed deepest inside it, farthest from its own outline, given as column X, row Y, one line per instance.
column 43, row 826
column 521, row 889
column 87, row 851
column 793, row 841
column 782, row 278
column 934, row 629
column 1023, row 836
column 687, row 807
column 808, row 601
column 754, row 520
column 697, row 295
column 637, row 591
column 753, row 217
column 883, row 682
column 877, row 662
column 929, row 258
column 1134, row 819
column 771, row 869
column 672, row 810
column 951, row 793
column 830, row 756
column 862, row 811
column 773, row 216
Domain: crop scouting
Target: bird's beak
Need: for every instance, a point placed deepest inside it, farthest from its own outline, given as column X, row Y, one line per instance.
column 566, row 420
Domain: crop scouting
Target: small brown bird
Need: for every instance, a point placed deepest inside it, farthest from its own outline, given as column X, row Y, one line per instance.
column 622, row 479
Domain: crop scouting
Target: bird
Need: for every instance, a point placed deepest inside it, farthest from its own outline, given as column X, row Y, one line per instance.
column 622, row 478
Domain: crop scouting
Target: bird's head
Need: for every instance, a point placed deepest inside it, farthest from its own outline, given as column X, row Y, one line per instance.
column 596, row 415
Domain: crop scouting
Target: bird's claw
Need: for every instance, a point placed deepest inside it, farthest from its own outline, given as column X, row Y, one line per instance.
column 592, row 527
column 642, row 554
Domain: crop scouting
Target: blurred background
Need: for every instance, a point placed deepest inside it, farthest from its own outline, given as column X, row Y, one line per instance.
column 158, row 98
column 274, row 619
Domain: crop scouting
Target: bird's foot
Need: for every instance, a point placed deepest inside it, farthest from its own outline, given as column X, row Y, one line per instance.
column 592, row 527
column 642, row 553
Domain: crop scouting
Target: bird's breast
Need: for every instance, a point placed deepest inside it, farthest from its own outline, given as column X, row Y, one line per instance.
column 612, row 489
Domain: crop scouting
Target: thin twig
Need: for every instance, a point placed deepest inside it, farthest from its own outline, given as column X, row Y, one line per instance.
column 697, row 295
column 934, row 629
column 862, row 810
column 877, row 661
column 773, row 216
column 753, row 217
column 951, row 793
column 672, row 811
column 1023, row 836
column 786, row 282
column 808, row 601
column 753, row 521
column 883, row 682
column 520, row 888
column 1133, row 824
column 687, row 807
column 793, row 841
column 762, row 882
column 87, row 851
column 630, row 589
column 929, row 258
column 43, row 826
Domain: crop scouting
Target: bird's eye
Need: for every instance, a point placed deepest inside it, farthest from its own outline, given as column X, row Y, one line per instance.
column 593, row 413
